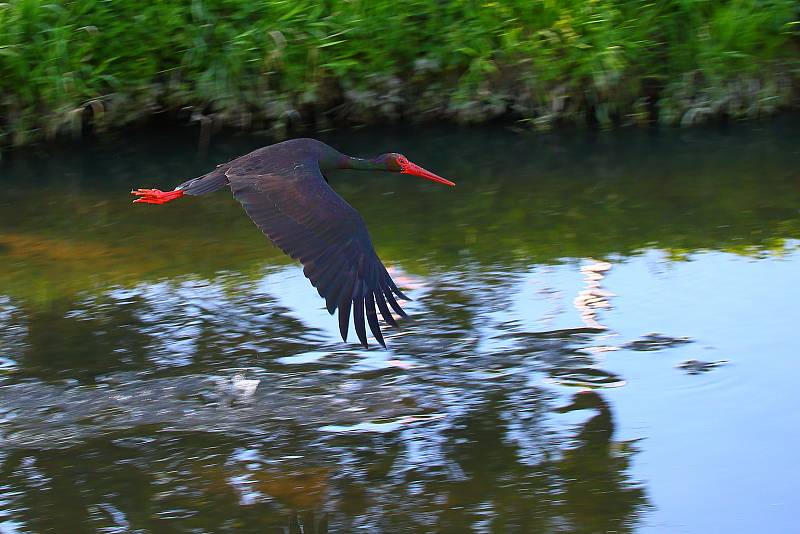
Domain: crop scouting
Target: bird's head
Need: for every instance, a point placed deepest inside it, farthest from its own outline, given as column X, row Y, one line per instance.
column 399, row 163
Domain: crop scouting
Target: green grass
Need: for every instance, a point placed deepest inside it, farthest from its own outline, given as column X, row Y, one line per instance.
column 264, row 64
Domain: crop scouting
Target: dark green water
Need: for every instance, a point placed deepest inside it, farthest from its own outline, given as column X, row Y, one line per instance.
column 540, row 386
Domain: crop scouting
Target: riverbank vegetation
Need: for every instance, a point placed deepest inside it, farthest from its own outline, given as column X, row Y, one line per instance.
column 66, row 66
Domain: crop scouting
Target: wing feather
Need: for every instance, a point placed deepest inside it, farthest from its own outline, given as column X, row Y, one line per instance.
column 372, row 318
column 385, row 313
column 393, row 303
column 358, row 312
column 299, row 212
column 345, row 304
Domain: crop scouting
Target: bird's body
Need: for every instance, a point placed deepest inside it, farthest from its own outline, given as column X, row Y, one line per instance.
column 283, row 190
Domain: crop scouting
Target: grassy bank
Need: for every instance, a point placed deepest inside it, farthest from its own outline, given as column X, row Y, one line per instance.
column 66, row 65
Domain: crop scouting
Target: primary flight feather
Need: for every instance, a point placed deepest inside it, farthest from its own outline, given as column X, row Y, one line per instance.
column 283, row 190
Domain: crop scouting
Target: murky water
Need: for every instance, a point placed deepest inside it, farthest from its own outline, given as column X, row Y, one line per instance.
column 602, row 340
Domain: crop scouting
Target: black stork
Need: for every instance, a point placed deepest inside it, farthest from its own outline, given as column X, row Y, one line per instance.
column 284, row 191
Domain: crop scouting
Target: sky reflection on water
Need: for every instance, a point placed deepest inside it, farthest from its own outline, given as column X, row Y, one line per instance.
column 204, row 386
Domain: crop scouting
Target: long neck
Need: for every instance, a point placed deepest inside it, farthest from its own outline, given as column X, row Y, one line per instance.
column 359, row 164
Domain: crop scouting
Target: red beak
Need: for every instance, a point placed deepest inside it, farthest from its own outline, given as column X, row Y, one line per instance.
column 416, row 170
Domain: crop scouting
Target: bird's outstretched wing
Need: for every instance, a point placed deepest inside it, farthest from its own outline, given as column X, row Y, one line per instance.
column 303, row 216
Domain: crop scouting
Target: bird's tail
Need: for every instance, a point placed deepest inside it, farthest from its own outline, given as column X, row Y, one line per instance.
column 208, row 183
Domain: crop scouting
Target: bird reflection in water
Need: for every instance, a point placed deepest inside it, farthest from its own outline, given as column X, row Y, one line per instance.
column 596, row 489
column 593, row 297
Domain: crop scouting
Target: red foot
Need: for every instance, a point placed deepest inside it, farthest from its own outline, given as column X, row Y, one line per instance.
column 156, row 196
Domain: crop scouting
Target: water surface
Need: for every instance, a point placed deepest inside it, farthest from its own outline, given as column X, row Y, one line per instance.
column 602, row 340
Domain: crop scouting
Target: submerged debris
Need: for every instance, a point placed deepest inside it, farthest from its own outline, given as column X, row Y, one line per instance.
column 695, row 367
column 656, row 341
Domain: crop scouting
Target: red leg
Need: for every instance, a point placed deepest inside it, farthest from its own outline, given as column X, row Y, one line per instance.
column 156, row 196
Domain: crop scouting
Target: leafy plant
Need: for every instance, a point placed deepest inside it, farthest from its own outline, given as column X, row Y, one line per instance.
column 64, row 64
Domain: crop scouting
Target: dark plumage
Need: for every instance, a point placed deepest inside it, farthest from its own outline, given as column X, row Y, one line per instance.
column 283, row 191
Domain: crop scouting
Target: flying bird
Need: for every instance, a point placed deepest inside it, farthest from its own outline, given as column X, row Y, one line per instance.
column 283, row 189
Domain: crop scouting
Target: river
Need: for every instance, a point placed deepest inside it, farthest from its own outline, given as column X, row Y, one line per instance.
column 601, row 339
